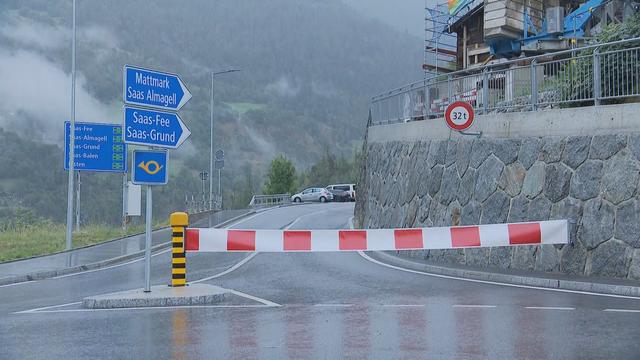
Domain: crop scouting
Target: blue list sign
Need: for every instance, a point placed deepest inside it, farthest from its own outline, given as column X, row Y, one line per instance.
column 150, row 167
column 154, row 128
column 97, row 147
column 154, row 89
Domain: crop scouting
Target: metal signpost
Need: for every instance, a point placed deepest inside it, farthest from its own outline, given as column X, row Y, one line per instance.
column 149, row 168
column 203, row 177
column 153, row 128
column 69, row 232
column 219, row 165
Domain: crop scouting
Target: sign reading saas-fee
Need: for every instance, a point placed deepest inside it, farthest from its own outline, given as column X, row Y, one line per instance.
column 154, row 128
column 150, row 167
column 97, row 147
column 153, row 88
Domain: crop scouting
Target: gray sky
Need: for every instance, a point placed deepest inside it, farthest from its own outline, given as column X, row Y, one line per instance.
column 404, row 15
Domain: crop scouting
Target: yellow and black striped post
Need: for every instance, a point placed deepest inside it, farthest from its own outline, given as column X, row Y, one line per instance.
column 179, row 222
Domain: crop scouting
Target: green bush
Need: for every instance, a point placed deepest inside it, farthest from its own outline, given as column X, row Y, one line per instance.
column 617, row 70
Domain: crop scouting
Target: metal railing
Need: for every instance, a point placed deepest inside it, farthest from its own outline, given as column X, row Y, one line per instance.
column 269, row 200
column 581, row 76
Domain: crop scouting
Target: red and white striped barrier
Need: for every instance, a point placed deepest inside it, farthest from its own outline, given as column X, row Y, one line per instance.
column 531, row 233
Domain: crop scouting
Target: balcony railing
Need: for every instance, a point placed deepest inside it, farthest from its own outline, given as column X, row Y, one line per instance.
column 583, row 76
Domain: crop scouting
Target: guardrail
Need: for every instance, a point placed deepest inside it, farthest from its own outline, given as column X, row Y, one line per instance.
column 269, row 200
column 583, row 76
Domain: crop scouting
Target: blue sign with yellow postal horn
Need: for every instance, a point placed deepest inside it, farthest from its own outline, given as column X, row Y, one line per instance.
column 150, row 167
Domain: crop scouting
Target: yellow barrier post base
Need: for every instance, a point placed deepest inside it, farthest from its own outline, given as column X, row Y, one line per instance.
column 179, row 222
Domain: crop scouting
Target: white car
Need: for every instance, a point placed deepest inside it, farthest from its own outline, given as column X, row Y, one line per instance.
column 313, row 194
column 349, row 188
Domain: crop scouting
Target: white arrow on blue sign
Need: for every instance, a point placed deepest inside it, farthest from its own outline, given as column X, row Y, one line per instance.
column 153, row 88
column 153, row 128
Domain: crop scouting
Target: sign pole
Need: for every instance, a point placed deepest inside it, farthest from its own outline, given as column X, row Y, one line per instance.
column 147, row 248
column 219, row 188
column 70, row 186
column 125, row 199
column 78, row 202
column 211, row 149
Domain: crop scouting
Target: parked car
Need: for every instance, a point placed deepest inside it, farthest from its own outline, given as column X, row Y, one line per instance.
column 313, row 194
column 349, row 188
column 340, row 195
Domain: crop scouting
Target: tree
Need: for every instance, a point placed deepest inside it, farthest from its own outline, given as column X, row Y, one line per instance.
column 281, row 176
column 331, row 169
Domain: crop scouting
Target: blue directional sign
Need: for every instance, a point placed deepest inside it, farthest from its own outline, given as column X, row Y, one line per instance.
column 153, row 128
column 97, row 147
column 154, row 89
column 150, row 167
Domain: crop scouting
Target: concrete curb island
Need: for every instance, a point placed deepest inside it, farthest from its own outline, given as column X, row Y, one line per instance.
column 161, row 295
column 550, row 282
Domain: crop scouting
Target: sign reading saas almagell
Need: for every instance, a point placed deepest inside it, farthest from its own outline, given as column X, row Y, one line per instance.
column 154, row 89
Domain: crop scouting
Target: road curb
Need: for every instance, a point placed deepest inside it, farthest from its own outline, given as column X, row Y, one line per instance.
column 159, row 296
column 601, row 288
column 48, row 274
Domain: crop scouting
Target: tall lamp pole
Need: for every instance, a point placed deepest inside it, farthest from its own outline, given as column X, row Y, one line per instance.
column 70, row 185
column 213, row 74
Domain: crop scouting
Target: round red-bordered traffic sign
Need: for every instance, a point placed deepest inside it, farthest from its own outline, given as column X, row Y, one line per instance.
column 459, row 115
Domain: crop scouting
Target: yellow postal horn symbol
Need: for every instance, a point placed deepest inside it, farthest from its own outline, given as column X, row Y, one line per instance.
column 151, row 167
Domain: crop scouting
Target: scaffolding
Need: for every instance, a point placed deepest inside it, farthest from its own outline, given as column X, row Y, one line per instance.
column 439, row 45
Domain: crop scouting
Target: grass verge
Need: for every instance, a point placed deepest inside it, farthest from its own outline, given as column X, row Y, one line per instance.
column 48, row 238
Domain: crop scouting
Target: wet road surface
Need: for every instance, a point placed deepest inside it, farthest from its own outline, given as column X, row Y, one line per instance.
column 315, row 306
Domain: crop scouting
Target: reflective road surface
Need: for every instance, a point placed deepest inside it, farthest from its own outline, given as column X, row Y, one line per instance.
column 313, row 306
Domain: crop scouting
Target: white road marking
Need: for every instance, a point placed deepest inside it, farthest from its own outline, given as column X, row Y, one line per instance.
column 254, row 298
column 47, row 308
column 233, row 268
column 403, row 305
column 549, row 308
column 333, row 305
column 473, row 306
column 366, row 257
column 240, row 221
column 146, row 308
column 19, row 283
column 304, row 216
column 622, row 310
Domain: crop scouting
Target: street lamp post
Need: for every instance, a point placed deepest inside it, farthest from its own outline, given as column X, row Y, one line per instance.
column 213, row 74
column 70, row 185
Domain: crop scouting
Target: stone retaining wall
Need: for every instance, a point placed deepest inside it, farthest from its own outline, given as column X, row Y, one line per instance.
column 590, row 180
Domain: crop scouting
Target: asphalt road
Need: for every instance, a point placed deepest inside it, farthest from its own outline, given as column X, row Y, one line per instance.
column 317, row 306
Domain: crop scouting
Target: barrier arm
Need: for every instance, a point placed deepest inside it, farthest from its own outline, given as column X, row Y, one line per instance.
column 514, row 234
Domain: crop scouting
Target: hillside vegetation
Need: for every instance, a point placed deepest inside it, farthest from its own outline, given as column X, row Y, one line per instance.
column 309, row 68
